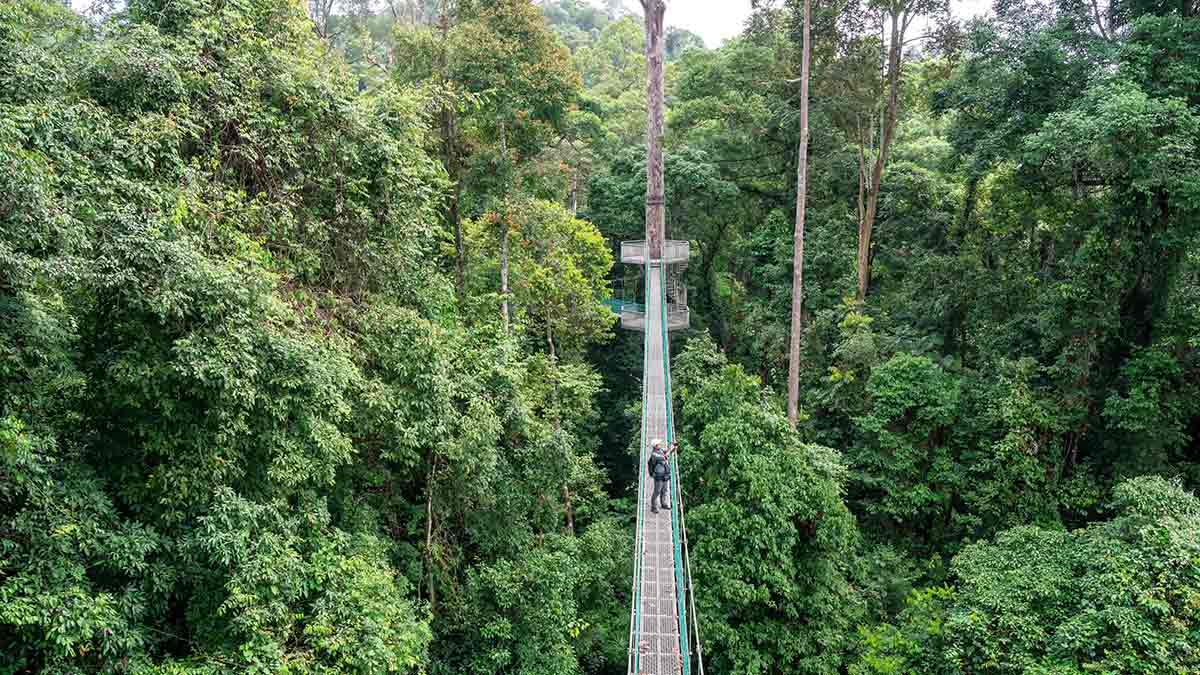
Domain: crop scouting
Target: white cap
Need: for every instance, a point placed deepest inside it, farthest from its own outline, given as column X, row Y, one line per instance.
column 656, row 442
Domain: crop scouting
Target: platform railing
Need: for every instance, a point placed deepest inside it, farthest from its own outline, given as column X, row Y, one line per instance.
column 619, row 306
column 633, row 317
column 674, row 251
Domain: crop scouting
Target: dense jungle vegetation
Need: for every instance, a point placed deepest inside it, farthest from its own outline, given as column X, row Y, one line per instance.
column 305, row 366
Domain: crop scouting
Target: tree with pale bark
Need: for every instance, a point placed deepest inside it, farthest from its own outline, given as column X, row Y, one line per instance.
column 896, row 18
column 793, row 409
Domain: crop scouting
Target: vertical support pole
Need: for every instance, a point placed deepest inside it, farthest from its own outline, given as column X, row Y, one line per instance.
column 655, row 192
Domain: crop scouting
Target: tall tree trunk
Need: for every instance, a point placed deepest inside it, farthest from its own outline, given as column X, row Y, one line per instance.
column 867, row 224
column 798, row 238
column 566, row 490
column 568, row 505
column 862, row 169
column 504, row 271
column 575, row 192
column 450, row 162
column 429, row 529
column 504, row 235
column 655, row 50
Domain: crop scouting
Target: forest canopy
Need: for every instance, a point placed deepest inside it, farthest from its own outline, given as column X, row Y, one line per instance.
column 306, row 364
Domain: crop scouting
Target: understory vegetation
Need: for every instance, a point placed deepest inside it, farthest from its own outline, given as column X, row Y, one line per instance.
column 306, row 366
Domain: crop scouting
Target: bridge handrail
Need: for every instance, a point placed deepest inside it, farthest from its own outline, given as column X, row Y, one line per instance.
column 687, row 562
column 683, row 590
column 635, row 611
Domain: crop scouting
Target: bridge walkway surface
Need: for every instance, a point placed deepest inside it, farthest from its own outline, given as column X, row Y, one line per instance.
column 659, row 616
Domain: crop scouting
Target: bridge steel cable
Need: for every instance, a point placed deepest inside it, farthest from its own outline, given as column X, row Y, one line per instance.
column 677, row 559
column 635, row 615
column 683, row 564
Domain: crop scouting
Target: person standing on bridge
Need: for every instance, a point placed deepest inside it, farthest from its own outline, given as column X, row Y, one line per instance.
column 659, row 467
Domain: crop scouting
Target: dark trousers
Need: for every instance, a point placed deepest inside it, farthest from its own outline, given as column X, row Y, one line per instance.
column 661, row 487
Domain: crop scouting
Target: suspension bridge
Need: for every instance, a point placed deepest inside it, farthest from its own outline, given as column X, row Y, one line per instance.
column 663, row 636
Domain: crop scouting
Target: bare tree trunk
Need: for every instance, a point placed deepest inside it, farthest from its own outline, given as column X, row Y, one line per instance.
column 575, row 192
column 570, row 510
column 450, row 162
column 504, row 271
column 655, row 209
column 1099, row 20
column 429, row 530
column 320, row 11
column 504, row 237
column 798, row 238
column 568, row 505
column 862, row 170
column 867, row 224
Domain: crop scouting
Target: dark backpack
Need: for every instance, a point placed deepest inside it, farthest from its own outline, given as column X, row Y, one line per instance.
column 661, row 468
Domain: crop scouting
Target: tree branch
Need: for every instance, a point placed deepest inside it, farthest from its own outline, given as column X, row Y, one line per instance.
column 919, row 37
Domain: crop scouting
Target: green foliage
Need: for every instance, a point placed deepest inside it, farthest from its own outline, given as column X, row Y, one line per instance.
column 236, row 392
column 577, row 22
column 558, row 634
column 916, row 644
column 1149, row 414
column 612, row 69
column 769, row 528
column 504, row 53
column 559, row 268
column 905, row 465
column 1027, row 342
column 80, row 584
column 276, row 567
column 247, row 424
column 1116, row 596
column 1018, row 476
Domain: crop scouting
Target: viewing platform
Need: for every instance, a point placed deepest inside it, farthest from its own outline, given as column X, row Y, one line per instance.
column 669, row 271
column 677, row 317
column 675, row 252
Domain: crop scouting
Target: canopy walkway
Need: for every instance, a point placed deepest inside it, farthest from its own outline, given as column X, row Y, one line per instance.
column 662, row 618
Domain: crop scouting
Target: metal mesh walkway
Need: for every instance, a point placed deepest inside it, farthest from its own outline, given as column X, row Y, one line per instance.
column 655, row 626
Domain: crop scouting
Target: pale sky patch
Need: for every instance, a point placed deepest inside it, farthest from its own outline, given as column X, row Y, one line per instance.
column 720, row 20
